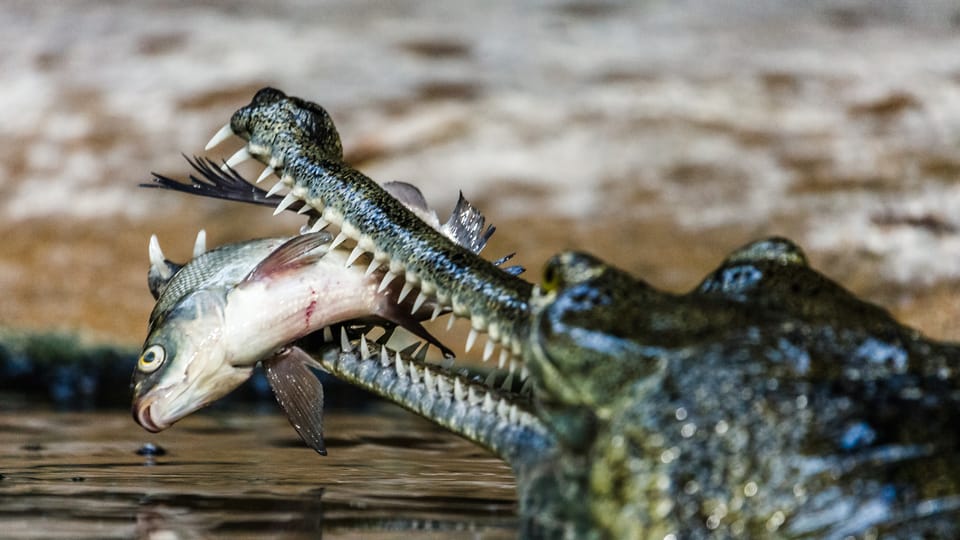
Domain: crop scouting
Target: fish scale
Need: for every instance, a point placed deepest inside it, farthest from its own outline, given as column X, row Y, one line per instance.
column 298, row 140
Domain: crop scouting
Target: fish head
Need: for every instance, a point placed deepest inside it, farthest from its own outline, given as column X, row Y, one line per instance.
column 185, row 364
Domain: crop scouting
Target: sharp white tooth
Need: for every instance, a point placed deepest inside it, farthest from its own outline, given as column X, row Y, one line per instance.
column 513, row 366
column 372, row 267
column 407, row 287
column 285, row 203
column 338, row 240
column 223, row 134
column 471, row 338
column 344, row 342
column 242, row 155
column 459, row 393
column 428, row 380
column 491, row 379
column 488, row 404
column 276, row 188
column 513, row 414
column 473, row 398
column 387, row 278
column 436, row 312
column 502, row 409
column 364, row 349
column 266, row 172
column 327, row 334
column 357, row 252
column 200, row 244
column 443, row 387
column 414, row 373
column 524, row 373
column 488, row 349
column 507, row 382
column 418, row 303
column 157, row 260
column 384, row 356
column 502, row 361
column 527, row 386
column 304, row 209
column 319, row 225
column 401, row 368
column 156, row 254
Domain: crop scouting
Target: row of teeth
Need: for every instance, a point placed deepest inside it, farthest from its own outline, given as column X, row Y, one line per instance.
column 365, row 244
column 435, row 381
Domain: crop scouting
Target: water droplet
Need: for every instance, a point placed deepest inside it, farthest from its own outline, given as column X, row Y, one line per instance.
column 750, row 489
column 681, row 414
column 150, row 449
column 802, row 402
column 857, row 436
column 775, row 521
column 667, row 456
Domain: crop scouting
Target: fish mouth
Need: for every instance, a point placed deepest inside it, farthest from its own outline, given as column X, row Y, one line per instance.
column 142, row 415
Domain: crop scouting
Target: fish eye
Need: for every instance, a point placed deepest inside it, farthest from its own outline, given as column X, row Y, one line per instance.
column 551, row 277
column 151, row 359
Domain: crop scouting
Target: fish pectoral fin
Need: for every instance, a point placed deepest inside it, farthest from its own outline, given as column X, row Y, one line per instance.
column 299, row 251
column 299, row 392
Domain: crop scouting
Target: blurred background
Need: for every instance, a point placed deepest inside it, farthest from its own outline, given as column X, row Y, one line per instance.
column 658, row 135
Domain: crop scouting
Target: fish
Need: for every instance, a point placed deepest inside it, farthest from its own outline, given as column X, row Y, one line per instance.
column 226, row 310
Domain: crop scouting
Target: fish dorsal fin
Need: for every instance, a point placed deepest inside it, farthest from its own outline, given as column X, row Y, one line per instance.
column 299, row 393
column 466, row 226
column 413, row 199
column 294, row 253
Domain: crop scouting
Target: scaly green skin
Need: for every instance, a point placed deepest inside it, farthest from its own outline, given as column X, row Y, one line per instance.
column 768, row 402
column 299, row 141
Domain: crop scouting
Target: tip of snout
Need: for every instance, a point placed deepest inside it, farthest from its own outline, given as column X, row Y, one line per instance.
column 141, row 414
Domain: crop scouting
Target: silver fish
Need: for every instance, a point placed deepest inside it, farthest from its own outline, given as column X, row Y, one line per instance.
column 229, row 308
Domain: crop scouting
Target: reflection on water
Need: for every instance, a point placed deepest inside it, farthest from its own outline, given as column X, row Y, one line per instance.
column 244, row 474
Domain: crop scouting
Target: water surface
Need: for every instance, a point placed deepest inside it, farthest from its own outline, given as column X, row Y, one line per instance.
column 243, row 473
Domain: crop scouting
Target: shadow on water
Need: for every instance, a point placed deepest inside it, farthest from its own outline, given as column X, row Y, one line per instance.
column 242, row 473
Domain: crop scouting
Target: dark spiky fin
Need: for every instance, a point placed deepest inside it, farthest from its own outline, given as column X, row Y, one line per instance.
column 227, row 185
column 299, row 392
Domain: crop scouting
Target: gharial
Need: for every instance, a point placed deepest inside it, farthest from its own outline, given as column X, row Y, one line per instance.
column 766, row 402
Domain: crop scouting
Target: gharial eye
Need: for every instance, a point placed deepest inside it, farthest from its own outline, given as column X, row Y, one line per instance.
column 151, row 359
column 551, row 277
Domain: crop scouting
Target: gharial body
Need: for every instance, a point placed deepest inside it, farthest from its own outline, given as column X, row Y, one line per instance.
column 767, row 402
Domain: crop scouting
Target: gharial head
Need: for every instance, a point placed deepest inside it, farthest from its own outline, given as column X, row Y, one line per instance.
column 271, row 107
column 588, row 319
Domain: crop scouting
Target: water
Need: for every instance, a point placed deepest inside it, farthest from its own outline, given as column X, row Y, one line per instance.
column 243, row 473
